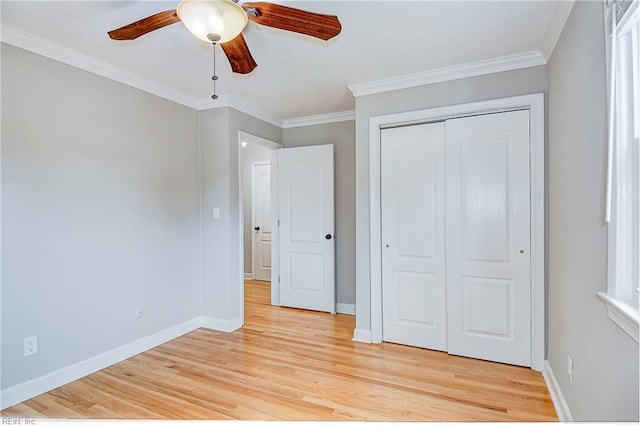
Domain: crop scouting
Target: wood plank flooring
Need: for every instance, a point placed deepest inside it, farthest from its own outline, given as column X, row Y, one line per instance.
column 289, row 364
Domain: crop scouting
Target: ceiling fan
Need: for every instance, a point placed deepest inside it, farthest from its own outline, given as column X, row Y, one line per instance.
column 222, row 21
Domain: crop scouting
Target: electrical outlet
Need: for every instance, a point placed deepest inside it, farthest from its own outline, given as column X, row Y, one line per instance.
column 570, row 369
column 30, row 345
column 139, row 314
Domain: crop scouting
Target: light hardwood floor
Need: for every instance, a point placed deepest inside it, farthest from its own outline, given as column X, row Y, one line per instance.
column 288, row 364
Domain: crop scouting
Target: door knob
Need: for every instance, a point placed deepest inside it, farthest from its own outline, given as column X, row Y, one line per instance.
column 328, row 236
column 257, row 228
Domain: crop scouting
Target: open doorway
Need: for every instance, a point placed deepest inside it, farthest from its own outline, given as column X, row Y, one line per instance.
column 255, row 214
column 300, row 245
column 256, row 197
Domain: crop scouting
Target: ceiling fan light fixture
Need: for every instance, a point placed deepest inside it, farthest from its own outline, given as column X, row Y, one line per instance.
column 202, row 18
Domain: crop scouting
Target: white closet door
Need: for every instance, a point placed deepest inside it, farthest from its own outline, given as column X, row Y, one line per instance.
column 306, row 231
column 488, row 236
column 413, row 251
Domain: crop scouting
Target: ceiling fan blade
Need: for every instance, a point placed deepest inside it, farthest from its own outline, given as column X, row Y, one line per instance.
column 290, row 19
column 145, row 25
column 239, row 56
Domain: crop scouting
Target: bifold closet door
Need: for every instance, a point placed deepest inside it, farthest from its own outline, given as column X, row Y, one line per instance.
column 413, row 231
column 488, row 237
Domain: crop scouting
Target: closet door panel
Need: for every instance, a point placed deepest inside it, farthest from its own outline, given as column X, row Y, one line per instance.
column 488, row 237
column 413, row 268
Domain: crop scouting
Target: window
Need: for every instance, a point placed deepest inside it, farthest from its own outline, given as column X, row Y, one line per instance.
column 623, row 212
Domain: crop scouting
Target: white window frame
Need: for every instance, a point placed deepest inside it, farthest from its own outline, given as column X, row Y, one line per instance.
column 621, row 297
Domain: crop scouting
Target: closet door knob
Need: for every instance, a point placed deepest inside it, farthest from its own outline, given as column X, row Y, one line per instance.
column 328, row 236
column 257, row 228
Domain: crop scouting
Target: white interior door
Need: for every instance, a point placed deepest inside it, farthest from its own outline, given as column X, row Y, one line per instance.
column 413, row 252
column 306, row 248
column 261, row 222
column 488, row 237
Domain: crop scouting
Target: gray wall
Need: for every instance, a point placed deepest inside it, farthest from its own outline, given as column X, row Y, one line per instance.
column 605, row 359
column 100, row 214
column 342, row 136
column 214, row 189
column 500, row 85
column 107, row 194
column 222, row 275
column 250, row 154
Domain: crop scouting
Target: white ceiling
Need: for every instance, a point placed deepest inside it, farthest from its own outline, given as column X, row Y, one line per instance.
column 297, row 76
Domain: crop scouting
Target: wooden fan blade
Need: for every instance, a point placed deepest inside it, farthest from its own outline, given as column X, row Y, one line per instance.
column 239, row 56
column 145, row 25
column 290, row 19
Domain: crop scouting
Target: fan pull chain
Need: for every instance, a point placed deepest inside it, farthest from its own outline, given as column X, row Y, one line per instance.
column 214, row 77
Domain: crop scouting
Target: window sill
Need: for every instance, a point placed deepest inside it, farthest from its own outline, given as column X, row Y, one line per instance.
column 625, row 316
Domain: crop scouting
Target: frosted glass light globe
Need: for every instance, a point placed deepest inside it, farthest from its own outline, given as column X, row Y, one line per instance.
column 223, row 18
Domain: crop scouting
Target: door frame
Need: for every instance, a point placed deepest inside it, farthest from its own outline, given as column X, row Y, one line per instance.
column 535, row 104
column 266, row 143
column 253, row 212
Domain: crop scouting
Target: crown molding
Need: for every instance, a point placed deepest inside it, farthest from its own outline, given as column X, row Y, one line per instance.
column 241, row 105
column 313, row 120
column 456, row 72
column 46, row 48
column 554, row 30
column 249, row 108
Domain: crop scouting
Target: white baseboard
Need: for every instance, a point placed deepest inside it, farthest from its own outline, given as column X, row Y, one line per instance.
column 29, row 389
column 346, row 308
column 32, row 388
column 560, row 404
column 248, row 275
column 221, row 324
column 362, row 336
